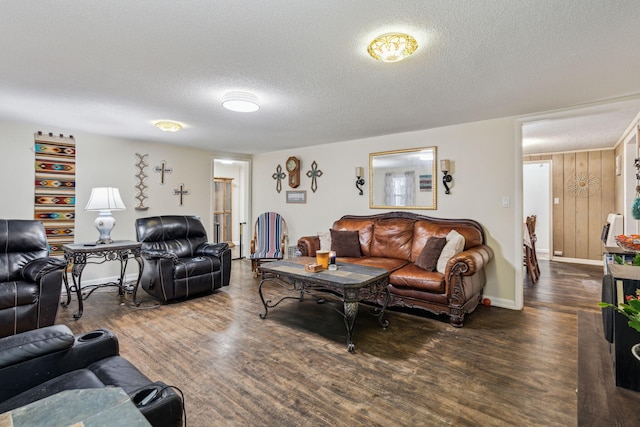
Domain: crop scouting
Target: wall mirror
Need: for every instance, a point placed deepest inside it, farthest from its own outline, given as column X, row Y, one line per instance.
column 404, row 179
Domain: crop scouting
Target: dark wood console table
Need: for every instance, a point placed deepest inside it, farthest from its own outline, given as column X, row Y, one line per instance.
column 77, row 256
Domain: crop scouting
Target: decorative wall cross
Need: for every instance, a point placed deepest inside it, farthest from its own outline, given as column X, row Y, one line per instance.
column 314, row 174
column 181, row 192
column 279, row 176
column 162, row 169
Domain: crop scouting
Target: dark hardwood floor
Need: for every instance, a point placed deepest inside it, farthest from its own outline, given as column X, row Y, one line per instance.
column 504, row 367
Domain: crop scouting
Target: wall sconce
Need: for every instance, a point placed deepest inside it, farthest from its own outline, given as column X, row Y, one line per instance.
column 359, row 179
column 445, row 167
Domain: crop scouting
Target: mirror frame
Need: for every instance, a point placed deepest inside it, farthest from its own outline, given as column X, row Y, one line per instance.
column 409, row 159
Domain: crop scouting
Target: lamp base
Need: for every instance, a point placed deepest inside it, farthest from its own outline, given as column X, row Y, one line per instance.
column 105, row 223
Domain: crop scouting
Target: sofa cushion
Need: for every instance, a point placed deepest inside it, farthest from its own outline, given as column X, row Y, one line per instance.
column 413, row 277
column 190, row 267
column 390, row 264
column 428, row 259
column 414, row 295
column 392, row 238
column 364, row 229
column 325, row 240
column 455, row 245
column 345, row 243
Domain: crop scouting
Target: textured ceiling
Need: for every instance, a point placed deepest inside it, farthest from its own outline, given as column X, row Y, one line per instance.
column 114, row 66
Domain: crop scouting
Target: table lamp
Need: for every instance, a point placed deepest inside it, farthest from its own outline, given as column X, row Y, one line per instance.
column 105, row 200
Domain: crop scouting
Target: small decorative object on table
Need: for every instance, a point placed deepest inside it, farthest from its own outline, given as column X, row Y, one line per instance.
column 313, row 268
column 629, row 243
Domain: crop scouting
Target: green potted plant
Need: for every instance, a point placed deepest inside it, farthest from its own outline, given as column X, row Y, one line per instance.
column 630, row 310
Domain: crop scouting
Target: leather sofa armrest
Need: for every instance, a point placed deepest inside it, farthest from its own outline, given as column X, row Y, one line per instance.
column 469, row 261
column 212, row 249
column 35, row 269
column 33, row 344
column 159, row 255
column 308, row 245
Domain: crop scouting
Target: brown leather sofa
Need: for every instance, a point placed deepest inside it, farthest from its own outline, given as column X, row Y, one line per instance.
column 394, row 240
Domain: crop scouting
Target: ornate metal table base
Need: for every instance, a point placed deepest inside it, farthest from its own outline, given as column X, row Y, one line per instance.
column 288, row 276
column 77, row 256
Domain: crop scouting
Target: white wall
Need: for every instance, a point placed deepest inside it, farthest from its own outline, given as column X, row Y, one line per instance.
column 105, row 161
column 485, row 158
column 486, row 167
column 536, row 200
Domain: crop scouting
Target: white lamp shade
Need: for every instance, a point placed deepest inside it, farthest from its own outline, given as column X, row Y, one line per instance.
column 104, row 198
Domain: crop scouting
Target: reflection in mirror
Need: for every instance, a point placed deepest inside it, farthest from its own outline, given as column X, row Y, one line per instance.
column 403, row 179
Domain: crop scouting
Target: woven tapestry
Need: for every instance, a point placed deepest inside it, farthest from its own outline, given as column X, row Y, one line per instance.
column 55, row 188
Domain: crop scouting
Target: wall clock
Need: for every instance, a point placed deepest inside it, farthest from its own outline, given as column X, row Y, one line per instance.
column 293, row 167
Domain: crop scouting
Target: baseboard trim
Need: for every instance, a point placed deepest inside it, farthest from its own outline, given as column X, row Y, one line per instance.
column 502, row 303
column 577, row 260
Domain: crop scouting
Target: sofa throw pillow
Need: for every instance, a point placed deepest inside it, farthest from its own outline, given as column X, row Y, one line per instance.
column 455, row 245
column 325, row 240
column 428, row 258
column 345, row 243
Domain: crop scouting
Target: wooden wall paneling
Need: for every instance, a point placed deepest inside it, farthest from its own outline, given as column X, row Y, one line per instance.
column 557, row 192
column 594, row 248
column 581, row 211
column 577, row 222
column 569, row 214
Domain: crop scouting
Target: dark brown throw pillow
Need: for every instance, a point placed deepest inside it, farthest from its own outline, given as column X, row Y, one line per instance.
column 345, row 243
column 428, row 258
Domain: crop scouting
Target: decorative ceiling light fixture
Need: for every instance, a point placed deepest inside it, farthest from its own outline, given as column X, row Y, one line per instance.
column 242, row 102
column 168, row 125
column 392, row 47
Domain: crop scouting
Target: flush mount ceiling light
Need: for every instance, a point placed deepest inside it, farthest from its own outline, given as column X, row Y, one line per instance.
column 168, row 125
column 242, row 102
column 392, row 47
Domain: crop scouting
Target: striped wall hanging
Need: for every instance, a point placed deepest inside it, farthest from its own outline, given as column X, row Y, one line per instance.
column 55, row 188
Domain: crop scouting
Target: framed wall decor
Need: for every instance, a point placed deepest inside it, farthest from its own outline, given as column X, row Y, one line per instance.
column 297, row 196
column 403, row 179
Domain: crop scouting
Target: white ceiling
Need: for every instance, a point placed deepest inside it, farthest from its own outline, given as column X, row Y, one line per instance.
column 114, row 66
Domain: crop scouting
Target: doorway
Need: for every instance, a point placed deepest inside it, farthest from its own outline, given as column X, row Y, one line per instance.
column 231, row 204
column 536, row 200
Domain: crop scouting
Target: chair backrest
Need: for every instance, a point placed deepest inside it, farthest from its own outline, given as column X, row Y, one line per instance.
column 269, row 230
column 531, row 227
column 21, row 241
column 177, row 234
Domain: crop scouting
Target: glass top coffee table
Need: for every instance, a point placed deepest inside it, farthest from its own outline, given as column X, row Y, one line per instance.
column 350, row 282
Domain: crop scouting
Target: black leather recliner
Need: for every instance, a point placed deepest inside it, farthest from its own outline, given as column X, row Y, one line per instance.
column 30, row 281
column 178, row 261
column 40, row 363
